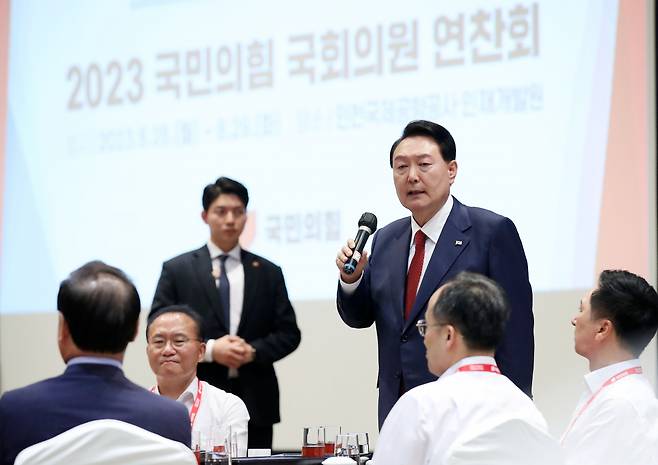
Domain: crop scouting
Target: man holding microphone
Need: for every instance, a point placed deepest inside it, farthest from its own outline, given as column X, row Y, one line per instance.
column 414, row 256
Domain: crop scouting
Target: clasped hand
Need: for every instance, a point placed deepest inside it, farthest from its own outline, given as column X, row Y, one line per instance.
column 232, row 351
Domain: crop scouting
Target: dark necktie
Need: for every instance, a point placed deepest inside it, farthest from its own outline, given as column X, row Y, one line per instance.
column 224, row 291
column 413, row 275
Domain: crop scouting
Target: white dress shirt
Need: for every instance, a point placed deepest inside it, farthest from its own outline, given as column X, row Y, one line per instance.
column 235, row 275
column 426, row 420
column 218, row 409
column 432, row 230
column 95, row 360
column 619, row 426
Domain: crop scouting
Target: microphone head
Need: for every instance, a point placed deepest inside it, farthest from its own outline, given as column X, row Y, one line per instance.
column 369, row 220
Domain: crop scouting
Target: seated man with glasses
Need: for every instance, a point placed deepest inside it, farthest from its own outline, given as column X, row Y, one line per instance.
column 174, row 348
column 464, row 322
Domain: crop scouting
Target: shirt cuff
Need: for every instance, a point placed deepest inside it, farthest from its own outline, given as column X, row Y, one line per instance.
column 348, row 289
column 207, row 357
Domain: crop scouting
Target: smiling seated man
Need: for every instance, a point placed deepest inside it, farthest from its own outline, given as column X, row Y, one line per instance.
column 174, row 348
column 464, row 323
column 616, row 420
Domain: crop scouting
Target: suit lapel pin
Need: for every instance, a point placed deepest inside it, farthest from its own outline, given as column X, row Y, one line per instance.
column 255, row 263
column 458, row 243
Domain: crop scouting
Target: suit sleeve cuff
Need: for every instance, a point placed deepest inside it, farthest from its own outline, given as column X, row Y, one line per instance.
column 349, row 289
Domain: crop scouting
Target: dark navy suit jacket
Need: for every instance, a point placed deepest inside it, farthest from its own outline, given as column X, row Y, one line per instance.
column 473, row 239
column 83, row 393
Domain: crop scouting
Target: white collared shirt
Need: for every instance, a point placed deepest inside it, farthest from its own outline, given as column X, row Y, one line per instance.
column 218, row 410
column 235, row 275
column 426, row 420
column 619, row 426
column 87, row 359
column 432, row 230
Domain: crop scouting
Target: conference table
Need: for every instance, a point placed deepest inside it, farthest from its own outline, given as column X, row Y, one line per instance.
column 281, row 459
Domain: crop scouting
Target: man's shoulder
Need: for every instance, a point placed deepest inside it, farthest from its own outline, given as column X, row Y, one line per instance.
column 148, row 399
column 222, row 398
column 186, row 256
column 16, row 398
column 438, row 389
column 478, row 214
column 394, row 228
column 427, row 399
column 460, row 212
column 213, row 392
column 149, row 407
column 471, row 386
column 257, row 261
column 634, row 393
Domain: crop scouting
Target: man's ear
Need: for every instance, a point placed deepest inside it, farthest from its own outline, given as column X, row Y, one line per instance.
column 452, row 171
column 606, row 330
column 63, row 332
column 450, row 335
column 202, row 352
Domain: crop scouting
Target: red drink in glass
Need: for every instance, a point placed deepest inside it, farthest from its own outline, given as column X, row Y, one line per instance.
column 329, row 448
column 313, row 450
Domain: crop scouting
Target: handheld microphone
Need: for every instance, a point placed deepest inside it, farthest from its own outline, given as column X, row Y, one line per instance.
column 367, row 226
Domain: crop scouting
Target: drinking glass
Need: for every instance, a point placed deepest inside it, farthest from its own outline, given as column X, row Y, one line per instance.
column 200, row 442
column 346, row 446
column 222, row 446
column 313, row 442
column 362, row 443
column 328, row 435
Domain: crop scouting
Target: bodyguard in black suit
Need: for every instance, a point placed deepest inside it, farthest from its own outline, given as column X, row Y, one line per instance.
column 99, row 312
column 249, row 322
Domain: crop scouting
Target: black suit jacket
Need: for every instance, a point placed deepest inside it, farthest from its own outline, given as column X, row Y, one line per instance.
column 83, row 393
column 473, row 239
column 267, row 323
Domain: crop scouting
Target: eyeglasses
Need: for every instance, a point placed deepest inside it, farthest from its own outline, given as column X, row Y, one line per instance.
column 177, row 342
column 422, row 326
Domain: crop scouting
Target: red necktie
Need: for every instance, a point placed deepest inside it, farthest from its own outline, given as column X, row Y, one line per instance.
column 413, row 275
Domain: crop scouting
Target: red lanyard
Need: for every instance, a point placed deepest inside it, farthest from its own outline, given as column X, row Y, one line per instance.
column 612, row 380
column 197, row 402
column 489, row 368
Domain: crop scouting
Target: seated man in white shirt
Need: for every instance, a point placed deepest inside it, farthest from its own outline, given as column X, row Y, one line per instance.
column 616, row 420
column 174, row 347
column 464, row 322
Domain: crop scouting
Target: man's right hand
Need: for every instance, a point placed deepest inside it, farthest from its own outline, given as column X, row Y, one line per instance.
column 230, row 351
column 343, row 256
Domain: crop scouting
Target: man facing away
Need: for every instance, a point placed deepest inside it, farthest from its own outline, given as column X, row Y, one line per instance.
column 248, row 320
column 616, row 419
column 174, row 348
column 413, row 256
column 98, row 316
column 464, row 322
